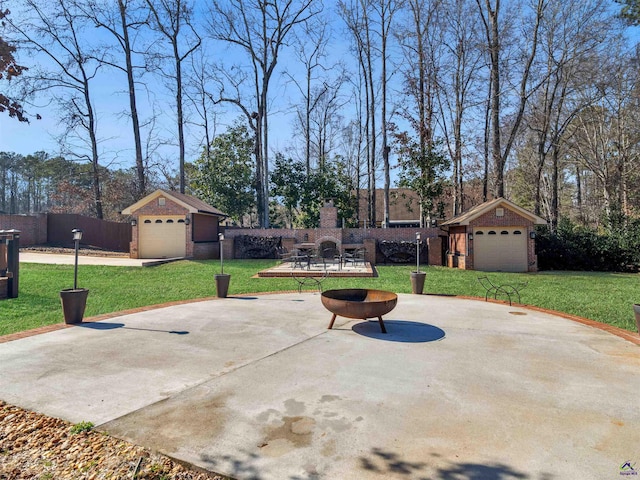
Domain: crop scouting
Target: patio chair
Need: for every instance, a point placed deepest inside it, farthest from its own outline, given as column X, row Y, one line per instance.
column 284, row 254
column 358, row 256
column 507, row 289
column 331, row 256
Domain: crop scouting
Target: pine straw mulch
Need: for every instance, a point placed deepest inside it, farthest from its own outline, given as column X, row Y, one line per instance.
column 34, row 446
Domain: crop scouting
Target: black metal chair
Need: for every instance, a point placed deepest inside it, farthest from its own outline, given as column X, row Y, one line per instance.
column 358, row 256
column 331, row 256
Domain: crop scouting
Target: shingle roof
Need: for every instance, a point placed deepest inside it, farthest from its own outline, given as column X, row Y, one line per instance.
column 475, row 212
column 199, row 205
column 191, row 203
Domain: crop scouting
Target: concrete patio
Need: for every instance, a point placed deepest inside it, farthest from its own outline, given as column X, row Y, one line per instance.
column 258, row 388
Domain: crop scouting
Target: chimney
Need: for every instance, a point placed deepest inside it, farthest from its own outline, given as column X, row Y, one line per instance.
column 328, row 214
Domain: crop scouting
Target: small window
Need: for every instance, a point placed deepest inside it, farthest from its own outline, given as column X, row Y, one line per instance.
column 491, row 232
column 158, row 221
column 181, row 220
column 517, row 232
column 499, row 212
column 169, row 221
column 479, row 232
column 504, row 232
column 161, row 201
column 147, row 221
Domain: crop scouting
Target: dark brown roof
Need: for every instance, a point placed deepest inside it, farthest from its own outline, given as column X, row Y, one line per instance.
column 194, row 202
column 191, row 203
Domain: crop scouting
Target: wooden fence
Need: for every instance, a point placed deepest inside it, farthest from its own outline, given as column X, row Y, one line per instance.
column 98, row 233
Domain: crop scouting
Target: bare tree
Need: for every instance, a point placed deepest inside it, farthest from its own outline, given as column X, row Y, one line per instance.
column 385, row 10
column 571, row 35
column 260, row 29
column 356, row 15
column 496, row 38
column 172, row 19
column 57, row 32
column 457, row 89
column 121, row 21
column 199, row 92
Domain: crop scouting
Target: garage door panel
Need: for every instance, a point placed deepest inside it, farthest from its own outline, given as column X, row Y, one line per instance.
column 500, row 249
column 162, row 237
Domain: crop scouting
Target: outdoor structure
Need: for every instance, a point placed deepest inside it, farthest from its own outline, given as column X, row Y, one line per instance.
column 330, row 236
column 9, row 263
column 169, row 224
column 497, row 235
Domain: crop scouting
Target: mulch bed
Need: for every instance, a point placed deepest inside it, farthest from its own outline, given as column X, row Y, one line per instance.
column 34, row 446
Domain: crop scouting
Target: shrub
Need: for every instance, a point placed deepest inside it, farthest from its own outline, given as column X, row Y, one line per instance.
column 574, row 247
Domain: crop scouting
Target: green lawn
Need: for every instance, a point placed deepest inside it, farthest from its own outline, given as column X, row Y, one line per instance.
column 605, row 297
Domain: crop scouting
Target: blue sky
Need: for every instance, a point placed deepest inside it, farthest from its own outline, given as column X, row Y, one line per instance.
column 114, row 129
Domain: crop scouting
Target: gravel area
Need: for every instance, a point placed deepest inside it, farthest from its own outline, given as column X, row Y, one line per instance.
column 34, row 446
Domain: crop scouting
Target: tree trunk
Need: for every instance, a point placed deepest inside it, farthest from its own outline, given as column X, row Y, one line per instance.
column 140, row 170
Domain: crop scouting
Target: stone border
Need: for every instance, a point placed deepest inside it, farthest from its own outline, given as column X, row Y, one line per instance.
column 618, row 332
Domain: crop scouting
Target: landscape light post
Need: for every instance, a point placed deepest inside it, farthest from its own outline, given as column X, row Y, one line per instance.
column 417, row 277
column 221, row 239
column 74, row 300
column 222, row 280
column 77, row 236
column 417, row 252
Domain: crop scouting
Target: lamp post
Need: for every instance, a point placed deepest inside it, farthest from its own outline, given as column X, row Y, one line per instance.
column 222, row 280
column 417, row 277
column 74, row 300
column 221, row 239
column 417, row 251
column 77, row 236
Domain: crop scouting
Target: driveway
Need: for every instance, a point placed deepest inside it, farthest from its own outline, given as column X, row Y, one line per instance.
column 258, row 388
column 68, row 259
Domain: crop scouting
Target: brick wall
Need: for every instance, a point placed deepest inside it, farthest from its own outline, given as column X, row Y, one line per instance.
column 206, row 250
column 346, row 236
column 33, row 228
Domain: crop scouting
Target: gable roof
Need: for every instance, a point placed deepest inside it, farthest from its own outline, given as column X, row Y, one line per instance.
column 191, row 203
column 478, row 210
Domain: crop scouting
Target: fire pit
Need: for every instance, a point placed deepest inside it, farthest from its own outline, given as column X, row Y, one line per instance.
column 359, row 303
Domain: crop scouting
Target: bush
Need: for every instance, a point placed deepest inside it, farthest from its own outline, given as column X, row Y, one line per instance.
column 573, row 247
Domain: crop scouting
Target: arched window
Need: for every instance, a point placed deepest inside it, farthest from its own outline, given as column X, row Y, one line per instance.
column 492, row 232
column 181, row 221
column 169, row 221
column 147, row 221
column 504, row 232
column 158, row 221
column 517, row 232
column 479, row 232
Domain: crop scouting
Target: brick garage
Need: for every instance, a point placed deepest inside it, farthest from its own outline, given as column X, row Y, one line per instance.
column 169, row 224
column 497, row 235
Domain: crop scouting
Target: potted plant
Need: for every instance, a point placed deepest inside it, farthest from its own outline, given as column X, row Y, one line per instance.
column 222, row 279
column 417, row 277
column 636, row 310
column 74, row 300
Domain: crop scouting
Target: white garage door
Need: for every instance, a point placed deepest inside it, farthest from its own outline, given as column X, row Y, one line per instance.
column 162, row 236
column 500, row 249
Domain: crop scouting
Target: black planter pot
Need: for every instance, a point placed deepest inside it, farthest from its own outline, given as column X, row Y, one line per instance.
column 417, row 282
column 74, row 302
column 222, row 284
